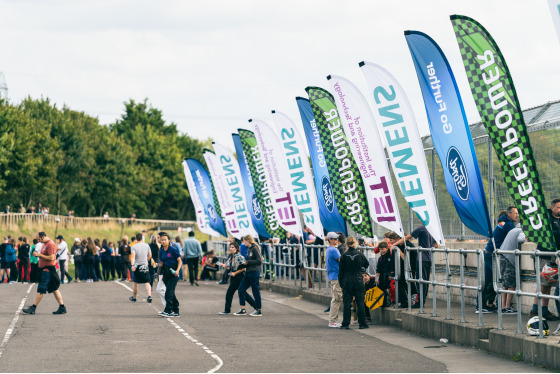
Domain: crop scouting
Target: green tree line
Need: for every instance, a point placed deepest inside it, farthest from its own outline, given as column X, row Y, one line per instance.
column 67, row 160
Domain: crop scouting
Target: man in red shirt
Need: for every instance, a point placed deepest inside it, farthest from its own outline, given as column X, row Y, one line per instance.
column 49, row 280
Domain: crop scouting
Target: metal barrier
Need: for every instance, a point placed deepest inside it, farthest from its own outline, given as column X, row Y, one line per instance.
column 284, row 264
column 448, row 285
column 498, row 284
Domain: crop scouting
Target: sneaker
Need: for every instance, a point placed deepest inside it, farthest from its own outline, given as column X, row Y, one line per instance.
column 132, row 299
column 509, row 311
column 242, row 312
column 334, row 325
column 163, row 314
column 61, row 310
column 484, row 311
column 149, row 299
column 363, row 327
column 256, row 313
column 70, row 279
column 29, row 310
column 328, row 310
column 551, row 317
column 342, row 327
column 174, row 314
column 557, row 331
column 221, row 282
column 224, row 312
column 196, row 283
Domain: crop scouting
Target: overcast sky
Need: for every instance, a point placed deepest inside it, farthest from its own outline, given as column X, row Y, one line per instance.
column 210, row 66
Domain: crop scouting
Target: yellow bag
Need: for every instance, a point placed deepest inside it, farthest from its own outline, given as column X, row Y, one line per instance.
column 374, row 298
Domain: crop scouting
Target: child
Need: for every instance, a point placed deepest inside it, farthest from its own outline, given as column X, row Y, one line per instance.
column 385, row 271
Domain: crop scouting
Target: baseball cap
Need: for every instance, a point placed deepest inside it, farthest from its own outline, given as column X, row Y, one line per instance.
column 332, row 235
column 77, row 240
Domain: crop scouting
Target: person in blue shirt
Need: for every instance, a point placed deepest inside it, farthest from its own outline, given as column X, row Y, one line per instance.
column 169, row 266
column 333, row 265
column 193, row 254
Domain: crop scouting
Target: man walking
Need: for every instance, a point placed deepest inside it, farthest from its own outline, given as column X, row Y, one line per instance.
column 169, row 265
column 140, row 258
column 49, row 280
column 193, row 251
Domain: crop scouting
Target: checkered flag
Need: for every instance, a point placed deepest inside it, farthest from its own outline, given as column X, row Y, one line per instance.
column 252, row 154
column 495, row 97
column 323, row 104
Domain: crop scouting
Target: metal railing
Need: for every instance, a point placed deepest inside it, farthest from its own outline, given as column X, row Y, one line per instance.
column 286, row 262
column 463, row 253
column 518, row 293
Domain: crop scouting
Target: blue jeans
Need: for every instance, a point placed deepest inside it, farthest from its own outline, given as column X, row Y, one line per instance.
column 251, row 279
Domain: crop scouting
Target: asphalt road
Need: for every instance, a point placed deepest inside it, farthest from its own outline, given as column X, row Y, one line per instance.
column 104, row 332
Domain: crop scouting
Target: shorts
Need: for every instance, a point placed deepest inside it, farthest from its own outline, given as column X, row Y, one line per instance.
column 507, row 271
column 49, row 281
column 543, row 261
column 142, row 274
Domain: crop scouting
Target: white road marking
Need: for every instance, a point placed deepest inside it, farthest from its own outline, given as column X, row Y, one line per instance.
column 186, row 335
column 13, row 323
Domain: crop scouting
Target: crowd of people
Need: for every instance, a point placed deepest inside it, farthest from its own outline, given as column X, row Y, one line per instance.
column 350, row 273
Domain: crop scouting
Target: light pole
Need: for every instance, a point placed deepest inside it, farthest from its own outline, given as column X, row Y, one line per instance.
column 56, row 229
column 122, row 227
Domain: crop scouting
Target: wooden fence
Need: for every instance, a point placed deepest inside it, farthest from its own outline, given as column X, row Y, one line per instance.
column 13, row 219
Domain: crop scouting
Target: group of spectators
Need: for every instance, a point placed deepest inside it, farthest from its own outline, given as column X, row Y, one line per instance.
column 94, row 260
column 31, row 209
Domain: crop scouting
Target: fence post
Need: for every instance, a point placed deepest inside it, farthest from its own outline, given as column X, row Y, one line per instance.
column 491, row 181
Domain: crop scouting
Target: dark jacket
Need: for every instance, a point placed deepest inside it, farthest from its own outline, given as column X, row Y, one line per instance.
column 555, row 222
column 505, row 225
column 254, row 258
column 23, row 252
column 385, row 264
column 351, row 264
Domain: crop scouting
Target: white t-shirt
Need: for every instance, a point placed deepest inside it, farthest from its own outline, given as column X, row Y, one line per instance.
column 62, row 251
column 141, row 251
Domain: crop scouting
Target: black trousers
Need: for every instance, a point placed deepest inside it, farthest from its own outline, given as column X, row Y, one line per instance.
column 233, row 286
column 106, row 265
column 426, row 271
column 171, row 302
column 35, row 273
column 354, row 289
column 78, row 262
column 193, row 269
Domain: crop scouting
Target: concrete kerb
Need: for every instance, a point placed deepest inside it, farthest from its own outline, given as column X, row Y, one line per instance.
column 506, row 343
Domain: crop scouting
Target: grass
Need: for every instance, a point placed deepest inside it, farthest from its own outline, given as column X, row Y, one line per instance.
column 110, row 231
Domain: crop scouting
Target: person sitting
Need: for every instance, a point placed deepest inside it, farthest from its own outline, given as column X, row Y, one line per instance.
column 209, row 267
